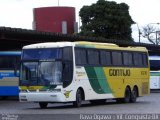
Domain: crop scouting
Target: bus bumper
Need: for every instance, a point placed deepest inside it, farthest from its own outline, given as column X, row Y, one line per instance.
column 42, row 97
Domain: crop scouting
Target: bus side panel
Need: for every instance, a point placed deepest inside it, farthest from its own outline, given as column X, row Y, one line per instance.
column 9, row 91
column 155, row 80
column 120, row 77
column 93, row 81
column 8, row 84
column 115, row 81
column 98, row 80
column 111, row 82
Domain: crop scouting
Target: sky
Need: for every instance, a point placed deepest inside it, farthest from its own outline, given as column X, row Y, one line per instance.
column 19, row 13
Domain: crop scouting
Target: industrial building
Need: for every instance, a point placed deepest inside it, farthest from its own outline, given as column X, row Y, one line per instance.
column 55, row 19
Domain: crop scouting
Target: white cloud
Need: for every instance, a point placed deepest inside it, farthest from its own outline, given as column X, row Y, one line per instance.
column 19, row 13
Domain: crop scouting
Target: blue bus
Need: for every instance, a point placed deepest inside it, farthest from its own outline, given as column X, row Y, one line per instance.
column 9, row 73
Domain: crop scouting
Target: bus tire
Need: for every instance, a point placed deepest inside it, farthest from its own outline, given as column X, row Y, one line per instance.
column 127, row 95
column 43, row 105
column 78, row 101
column 134, row 95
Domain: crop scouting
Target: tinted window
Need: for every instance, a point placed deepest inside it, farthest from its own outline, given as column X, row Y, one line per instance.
column 46, row 53
column 80, row 56
column 9, row 62
column 145, row 60
column 105, row 57
column 154, row 64
column 127, row 58
column 93, row 57
column 116, row 58
column 137, row 59
column 67, row 53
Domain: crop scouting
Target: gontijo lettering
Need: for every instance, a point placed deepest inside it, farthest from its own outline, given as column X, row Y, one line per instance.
column 119, row 72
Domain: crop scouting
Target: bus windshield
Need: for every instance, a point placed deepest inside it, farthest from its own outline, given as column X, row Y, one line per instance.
column 41, row 73
column 41, row 54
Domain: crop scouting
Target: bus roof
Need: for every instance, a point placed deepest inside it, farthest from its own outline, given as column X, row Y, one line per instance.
column 83, row 44
column 154, row 57
column 108, row 46
column 48, row 45
column 10, row 52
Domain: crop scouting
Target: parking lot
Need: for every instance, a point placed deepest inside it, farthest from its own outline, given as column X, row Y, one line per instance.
column 144, row 105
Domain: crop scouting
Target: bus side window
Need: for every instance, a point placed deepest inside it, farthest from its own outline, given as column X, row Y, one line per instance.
column 127, row 59
column 93, row 57
column 7, row 62
column 105, row 57
column 67, row 53
column 117, row 58
column 145, row 60
column 137, row 59
column 80, row 56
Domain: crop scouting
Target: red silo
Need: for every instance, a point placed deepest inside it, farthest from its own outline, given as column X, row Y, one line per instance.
column 54, row 19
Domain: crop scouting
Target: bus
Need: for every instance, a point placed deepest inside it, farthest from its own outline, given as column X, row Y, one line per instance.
column 154, row 72
column 9, row 73
column 78, row 71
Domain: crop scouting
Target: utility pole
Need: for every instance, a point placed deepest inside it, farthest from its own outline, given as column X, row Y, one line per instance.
column 139, row 32
column 156, row 32
column 156, row 39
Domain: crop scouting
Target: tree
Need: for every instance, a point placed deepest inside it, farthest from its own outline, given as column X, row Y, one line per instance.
column 152, row 34
column 106, row 19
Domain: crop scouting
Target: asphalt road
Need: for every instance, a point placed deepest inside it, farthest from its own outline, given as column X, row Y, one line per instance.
column 12, row 109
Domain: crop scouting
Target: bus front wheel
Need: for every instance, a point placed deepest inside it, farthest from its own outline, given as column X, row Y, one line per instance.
column 43, row 105
column 78, row 101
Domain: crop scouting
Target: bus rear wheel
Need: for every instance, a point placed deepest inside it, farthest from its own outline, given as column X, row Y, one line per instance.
column 134, row 95
column 78, row 101
column 127, row 95
column 43, row 105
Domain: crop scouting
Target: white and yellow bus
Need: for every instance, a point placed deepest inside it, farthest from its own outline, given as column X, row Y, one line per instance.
column 78, row 71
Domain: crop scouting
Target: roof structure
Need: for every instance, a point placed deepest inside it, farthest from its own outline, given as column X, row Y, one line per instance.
column 16, row 38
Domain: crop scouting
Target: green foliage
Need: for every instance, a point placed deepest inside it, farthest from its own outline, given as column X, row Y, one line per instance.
column 106, row 19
